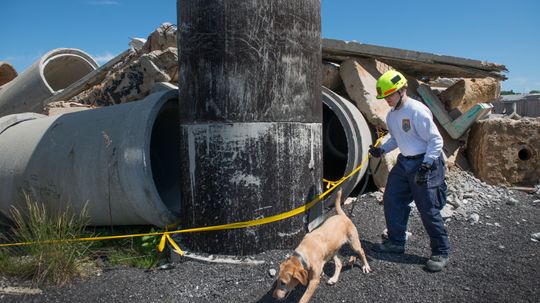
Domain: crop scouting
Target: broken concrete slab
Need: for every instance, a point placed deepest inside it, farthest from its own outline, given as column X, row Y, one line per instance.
column 466, row 93
column 132, row 81
column 505, row 151
column 360, row 79
column 161, row 38
column 441, row 82
column 414, row 63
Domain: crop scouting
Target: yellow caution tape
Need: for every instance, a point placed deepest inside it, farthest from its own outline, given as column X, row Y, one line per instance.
column 166, row 235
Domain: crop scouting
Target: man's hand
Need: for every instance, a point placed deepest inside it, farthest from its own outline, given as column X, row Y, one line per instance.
column 375, row 151
column 421, row 176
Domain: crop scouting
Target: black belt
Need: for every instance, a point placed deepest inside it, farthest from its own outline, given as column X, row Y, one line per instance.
column 414, row 157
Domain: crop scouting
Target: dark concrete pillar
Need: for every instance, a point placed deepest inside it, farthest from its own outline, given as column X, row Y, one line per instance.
column 251, row 118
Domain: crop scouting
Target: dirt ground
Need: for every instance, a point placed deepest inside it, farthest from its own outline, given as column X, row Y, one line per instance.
column 492, row 261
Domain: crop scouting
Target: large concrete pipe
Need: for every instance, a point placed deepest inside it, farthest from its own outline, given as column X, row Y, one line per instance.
column 346, row 140
column 251, row 132
column 121, row 160
column 53, row 72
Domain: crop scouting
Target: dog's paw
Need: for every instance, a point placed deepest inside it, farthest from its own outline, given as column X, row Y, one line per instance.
column 331, row 281
column 352, row 259
column 366, row 269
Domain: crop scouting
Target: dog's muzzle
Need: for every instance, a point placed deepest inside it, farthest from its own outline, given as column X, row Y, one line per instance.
column 282, row 288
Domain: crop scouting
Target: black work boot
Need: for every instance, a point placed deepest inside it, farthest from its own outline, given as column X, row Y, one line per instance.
column 389, row 247
column 436, row 263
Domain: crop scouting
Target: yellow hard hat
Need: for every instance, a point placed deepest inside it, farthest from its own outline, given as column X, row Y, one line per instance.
column 389, row 83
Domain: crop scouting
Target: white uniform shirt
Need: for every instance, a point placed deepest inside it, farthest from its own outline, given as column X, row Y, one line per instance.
column 412, row 129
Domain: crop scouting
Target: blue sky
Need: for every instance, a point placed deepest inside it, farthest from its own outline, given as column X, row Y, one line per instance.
column 498, row 31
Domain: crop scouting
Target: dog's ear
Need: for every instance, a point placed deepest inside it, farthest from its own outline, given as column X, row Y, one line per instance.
column 301, row 275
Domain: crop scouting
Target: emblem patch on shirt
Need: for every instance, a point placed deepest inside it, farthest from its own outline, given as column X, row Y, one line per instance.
column 406, row 125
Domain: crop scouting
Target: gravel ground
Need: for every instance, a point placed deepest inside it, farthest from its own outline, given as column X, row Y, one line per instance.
column 493, row 260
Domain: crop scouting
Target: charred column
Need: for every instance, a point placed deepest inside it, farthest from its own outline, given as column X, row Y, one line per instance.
column 251, row 119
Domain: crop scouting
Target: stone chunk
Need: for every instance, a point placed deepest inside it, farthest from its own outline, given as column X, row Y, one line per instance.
column 465, row 93
column 161, row 39
column 360, row 79
column 7, row 73
column 504, row 151
column 330, row 75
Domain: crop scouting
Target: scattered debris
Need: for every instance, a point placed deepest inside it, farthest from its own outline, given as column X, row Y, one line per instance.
column 472, row 195
column 63, row 107
column 13, row 290
column 474, row 218
column 221, row 259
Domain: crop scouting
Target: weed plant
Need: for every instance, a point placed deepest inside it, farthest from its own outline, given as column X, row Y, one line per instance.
column 54, row 261
column 50, row 259
column 138, row 252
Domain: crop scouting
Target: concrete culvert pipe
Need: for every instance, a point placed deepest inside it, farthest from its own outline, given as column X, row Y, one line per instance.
column 121, row 160
column 346, row 140
column 53, row 72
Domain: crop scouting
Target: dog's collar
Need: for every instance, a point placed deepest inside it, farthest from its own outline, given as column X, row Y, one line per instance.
column 302, row 260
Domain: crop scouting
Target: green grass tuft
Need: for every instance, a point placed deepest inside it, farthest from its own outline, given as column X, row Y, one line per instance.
column 44, row 262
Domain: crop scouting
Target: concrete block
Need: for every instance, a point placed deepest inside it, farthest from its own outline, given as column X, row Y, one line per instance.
column 505, row 151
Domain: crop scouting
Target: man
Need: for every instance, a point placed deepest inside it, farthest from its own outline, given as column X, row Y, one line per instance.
column 418, row 174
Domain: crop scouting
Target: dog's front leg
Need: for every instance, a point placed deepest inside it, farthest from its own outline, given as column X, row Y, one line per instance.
column 313, row 284
column 335, row 277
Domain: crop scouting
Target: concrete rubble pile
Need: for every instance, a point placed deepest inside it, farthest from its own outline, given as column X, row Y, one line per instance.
column 468, row 196
column 134, row 77
column 499, row 150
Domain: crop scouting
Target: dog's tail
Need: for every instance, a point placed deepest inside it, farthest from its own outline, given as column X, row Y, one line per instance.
column 338, row 203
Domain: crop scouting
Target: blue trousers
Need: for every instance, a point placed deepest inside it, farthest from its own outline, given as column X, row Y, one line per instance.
column 430, row 198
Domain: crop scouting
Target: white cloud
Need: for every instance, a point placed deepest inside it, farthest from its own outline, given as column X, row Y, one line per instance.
column 104, row 2
column 100, row 59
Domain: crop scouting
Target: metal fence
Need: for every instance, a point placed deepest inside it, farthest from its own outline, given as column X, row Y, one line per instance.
column 523, row 105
